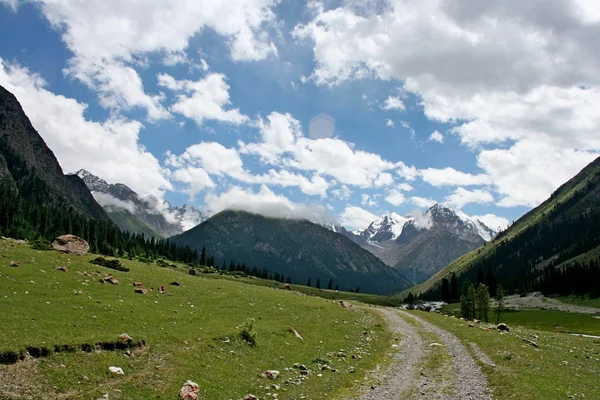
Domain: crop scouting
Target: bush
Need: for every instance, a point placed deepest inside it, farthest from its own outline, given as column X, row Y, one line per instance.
column 248, row 333
column 112, row 264
column 40, row 244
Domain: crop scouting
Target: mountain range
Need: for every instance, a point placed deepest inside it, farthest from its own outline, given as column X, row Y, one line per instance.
column 141, row 214
column 298, row 249
column 420, row 245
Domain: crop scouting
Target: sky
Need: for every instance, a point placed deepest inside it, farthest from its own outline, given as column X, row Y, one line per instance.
column 338, row 110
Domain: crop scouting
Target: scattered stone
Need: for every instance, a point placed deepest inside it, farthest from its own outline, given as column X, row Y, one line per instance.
column 125, row 337
column 174, row 283
column 14, row 263
column 189, row 391
column 272, row 373
column 435, row 345
column 61, row 268
column 503, row 327
column 534, row 344
column 342, row 304
column 250, row 397
column 300, row 366
column 194, row 272
column 138, row 284
column 295, row 332
column 286, row 287
column 163, row 290
column 71, row 244
column 116, row 370
column 141, row 290
column 110, row 279
column 471, row 325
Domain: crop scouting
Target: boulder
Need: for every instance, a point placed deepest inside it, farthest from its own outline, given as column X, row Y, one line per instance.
column 138, row 284
column 503, row 327
column 141, row 290
column 174, row 283
column 189, row 391
column 286, row 287
column 61, row 268
column 14, row 263
column 116, row 370
column 250, row 397
column 125, row 337
column 71, row 244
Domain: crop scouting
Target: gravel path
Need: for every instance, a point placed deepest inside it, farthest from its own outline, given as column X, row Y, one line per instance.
column 405, row 375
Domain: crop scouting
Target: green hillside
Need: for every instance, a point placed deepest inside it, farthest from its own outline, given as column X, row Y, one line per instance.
column 563, row 227
column 193, row 332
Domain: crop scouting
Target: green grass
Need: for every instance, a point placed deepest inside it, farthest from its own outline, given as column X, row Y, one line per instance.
column 193, row 333
column 563, row 367
column 579, row 301
column 542, row 320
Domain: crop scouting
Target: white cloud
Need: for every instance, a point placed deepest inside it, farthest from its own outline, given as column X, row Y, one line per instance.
column 436, row 137
column 389, row 123
column 367, row 200
column 107, row 146
column 384, row 179
column 356, row 218
column 264, row 202
column 422, row 202
column 175, row 58
column 493, row 221
column 451, row 177
column 405, row 187
column 410, row 173
column 204, row 65
column 112, row 203
column 503, row 75
column 462, row 197
column 196, row 178
column 395, row 198
column 278, row 136
column 103, row 58
column 393, row 103
column 528, row 172
column 343, row 193
column 204, row 99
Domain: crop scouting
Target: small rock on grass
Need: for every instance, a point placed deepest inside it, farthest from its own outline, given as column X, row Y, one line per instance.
column 116, row 370
column 189, row 391
column 14, row 263
column 272, row 373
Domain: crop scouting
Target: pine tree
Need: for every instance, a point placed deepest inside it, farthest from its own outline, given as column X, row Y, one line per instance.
column 337, row 287
column 318, row 283
column 203, row 256
column 330, row 284
column 410, row 299
column 445, row 290
column 454, row 295
column 499, row 302
column 467, row 300
column 357, row 289
column 480, row 277
column 490, row 281
column 483, row 302
column 309, row 283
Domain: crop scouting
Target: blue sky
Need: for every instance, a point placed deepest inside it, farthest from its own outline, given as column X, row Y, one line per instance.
column 486, row 106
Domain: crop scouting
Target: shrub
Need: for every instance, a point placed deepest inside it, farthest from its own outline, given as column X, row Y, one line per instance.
column 40, row 244
column 112, row 264
column 247, row 332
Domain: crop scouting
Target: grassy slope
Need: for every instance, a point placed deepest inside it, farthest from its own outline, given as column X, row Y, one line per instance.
column 185, row 332
column 128, row 222
column 562, row 367
column 534, row 216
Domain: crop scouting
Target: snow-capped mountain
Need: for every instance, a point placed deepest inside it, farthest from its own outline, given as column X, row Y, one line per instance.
column 388, row 227
column 420, row 245
column 141, row 214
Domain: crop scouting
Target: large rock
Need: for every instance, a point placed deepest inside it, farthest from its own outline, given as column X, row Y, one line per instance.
column 71, row 244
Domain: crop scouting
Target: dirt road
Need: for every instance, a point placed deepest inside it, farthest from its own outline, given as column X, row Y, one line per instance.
column 418, row 372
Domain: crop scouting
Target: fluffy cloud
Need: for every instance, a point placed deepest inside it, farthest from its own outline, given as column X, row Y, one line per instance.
column 505, row 74
column 278, row 136
column 107, row 146
column 436, row 137
column 389, row 123
column 393, row 103
column 112, row 203
column 395, row 198
column 462, row 197
column 212, row 158
column 343, row 193
column 103, row 58
column 422, row 202
column 264, row 202
column 356, row 218
column 493, row 221
column 204, row 99
column 451, row 177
